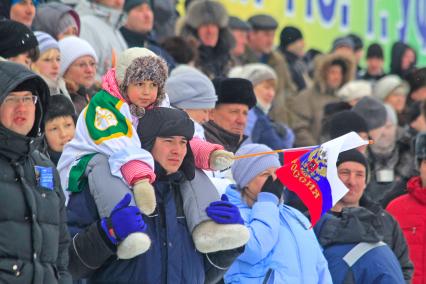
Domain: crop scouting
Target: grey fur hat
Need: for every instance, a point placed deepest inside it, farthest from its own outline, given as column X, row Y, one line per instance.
column 206, row 12
column 152, row 68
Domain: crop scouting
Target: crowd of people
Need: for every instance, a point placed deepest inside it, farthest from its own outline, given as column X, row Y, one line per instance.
column 119, row 126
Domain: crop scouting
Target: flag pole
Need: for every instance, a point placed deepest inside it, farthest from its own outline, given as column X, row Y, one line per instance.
column 370, row 142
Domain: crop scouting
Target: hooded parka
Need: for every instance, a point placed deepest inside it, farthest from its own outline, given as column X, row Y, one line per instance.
column 33, row 232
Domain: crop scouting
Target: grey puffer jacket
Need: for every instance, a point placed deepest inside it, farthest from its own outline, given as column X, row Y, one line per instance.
column 33, row 232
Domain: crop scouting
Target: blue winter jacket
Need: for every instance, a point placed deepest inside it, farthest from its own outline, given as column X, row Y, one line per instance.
column 261, row 129
column 172, row 257
column 281, row 248
column 339, row 234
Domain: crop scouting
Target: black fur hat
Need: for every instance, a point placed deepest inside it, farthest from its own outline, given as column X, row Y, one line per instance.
column 234, row 91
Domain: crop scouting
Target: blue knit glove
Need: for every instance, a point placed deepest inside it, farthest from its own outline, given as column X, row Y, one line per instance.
column 123, row 221
column 224, row 212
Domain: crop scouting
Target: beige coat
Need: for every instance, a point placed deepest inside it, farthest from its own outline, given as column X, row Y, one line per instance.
column 307, row 108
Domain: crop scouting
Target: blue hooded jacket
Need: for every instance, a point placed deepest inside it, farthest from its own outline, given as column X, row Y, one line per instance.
column 282, row 249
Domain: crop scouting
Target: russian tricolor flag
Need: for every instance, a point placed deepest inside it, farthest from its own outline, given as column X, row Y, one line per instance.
column 311, row 173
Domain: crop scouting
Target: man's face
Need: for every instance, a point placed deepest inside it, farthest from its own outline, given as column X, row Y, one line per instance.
column 375, row 65
column 262, row 41
column 169, row 152
column 240, row 37
column 297, row 47
column 82, row 71
column 17, row 112
column 353, row 176
column 23, row 12
column 208, row 34
column 334, row 77
column 231, row 117
column 140, row 19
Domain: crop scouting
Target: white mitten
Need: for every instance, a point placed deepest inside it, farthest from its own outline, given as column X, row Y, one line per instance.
column 144, row 195
column 221, row 160
column 134, row 245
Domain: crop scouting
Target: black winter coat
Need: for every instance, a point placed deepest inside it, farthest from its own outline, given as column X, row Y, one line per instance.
column 33, row 231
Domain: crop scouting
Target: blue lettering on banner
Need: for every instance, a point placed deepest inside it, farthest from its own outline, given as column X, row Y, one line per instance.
column 327, row 9
column 421, row 20
column 290, row 8
column 309, row 11
column 345, row 16
column 259, row 3
column 402, row 25
column 370, row 18
column 384, row 26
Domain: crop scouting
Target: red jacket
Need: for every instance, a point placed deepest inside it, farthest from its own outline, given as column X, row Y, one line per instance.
column 410, row 212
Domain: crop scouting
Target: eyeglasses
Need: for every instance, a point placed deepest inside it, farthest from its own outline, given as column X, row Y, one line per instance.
column 14, row 100
column 83, row 65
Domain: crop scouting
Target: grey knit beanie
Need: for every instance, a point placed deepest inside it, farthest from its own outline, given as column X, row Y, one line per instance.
column 244, row 170
column 188, row 88
column 373, row 111
column 254, row 72
column 152, row 68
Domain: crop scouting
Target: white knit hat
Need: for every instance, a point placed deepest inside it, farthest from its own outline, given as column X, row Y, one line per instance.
column 388, row 84
column 72, row 48
column 125, row 59
column 254, row 72
column 355, row 89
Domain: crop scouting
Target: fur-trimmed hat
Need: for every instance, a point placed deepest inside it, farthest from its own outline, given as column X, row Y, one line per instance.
column 234, row 91
column 142, row 68
column 206, row 12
